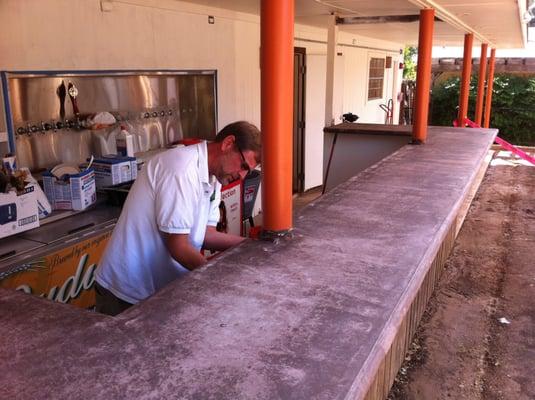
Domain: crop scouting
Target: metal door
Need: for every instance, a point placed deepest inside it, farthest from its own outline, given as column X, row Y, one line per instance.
column 299, row 119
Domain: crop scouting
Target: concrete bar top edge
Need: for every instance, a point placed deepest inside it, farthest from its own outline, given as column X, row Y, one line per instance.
column 380, row 349
column 299, row 319
column 358, row 128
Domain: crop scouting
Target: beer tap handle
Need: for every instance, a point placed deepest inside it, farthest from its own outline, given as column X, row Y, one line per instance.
column 73, row 93
column 61, row 92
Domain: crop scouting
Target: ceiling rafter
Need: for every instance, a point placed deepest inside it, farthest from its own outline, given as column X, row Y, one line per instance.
column 451, row 19
column 381, row 19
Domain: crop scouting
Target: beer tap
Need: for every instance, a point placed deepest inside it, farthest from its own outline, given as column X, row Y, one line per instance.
column 73, row 93
column 61, row 91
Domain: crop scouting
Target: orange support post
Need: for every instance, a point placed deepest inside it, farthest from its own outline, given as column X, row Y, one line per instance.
column 465, row 80
column 276, row 64
column 490, row 84
column 423, row 75
column 481, row 83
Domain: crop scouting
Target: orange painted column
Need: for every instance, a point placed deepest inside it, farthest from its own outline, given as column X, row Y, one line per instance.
column 423, row 75
column 276, row 64
column 481, row 83
column 465, row 80
column 490, row 84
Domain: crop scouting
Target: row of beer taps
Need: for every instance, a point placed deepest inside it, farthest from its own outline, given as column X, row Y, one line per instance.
column 82, row 121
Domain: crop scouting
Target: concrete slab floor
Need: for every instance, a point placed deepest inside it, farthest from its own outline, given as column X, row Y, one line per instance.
column 303, row 199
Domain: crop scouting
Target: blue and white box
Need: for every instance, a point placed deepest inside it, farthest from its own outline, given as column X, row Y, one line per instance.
column 113, row 170
column 18, row 211
column 75, row 192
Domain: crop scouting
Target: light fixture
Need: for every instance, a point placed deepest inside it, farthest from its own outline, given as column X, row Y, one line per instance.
column 106, row 5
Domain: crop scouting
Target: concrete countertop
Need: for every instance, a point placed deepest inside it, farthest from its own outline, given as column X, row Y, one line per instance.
column 301, row 319
column 370, row 129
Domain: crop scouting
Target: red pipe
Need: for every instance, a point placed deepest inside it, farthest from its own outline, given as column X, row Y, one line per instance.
column 490, row 84
column 423, row 75
column 481, row 83
column 465, row 80
column 276, row 55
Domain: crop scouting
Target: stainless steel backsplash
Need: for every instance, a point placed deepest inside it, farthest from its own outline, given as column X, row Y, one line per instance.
column 158, row 108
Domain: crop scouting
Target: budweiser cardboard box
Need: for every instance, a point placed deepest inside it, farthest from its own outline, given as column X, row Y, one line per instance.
column 72, row 192
column 18, row 212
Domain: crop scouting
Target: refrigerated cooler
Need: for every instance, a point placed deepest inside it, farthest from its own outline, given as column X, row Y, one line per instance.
column 58, row 259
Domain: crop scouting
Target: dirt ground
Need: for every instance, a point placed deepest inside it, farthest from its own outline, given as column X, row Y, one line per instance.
column 463, row 348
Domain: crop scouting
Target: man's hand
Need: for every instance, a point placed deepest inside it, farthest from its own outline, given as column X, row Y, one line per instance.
column 219, row 241
column 182, row 251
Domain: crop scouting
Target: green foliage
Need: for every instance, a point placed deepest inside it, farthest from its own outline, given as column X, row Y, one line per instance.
column 512, row 112
column 409, row 63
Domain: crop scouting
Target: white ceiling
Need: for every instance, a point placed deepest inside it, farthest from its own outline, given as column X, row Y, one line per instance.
column 496, row 22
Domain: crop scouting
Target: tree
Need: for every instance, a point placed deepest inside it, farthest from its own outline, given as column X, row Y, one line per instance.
column 512, row 109
column 409, row 63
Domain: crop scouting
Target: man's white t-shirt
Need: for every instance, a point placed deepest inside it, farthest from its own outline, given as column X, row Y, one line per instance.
column 174, row 193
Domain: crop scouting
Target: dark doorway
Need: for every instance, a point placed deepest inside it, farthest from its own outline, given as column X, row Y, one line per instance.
column 299, row 119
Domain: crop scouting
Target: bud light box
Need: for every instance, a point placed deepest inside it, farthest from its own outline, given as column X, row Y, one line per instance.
column 18, row 212
column 72, row 192
column 113, row 170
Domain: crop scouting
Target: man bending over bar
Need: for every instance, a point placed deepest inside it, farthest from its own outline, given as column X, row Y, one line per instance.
column 170, row 213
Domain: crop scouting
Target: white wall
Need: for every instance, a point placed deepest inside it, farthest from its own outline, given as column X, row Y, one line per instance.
column 350, row 87
column 356, row 77
column 169, row 34
column 163, row 34
column 314, row 119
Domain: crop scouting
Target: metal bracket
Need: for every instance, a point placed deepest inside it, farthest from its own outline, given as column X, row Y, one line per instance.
column 276, row 236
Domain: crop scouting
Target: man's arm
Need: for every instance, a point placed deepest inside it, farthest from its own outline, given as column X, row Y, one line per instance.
column 218, row 241
column 183, row 252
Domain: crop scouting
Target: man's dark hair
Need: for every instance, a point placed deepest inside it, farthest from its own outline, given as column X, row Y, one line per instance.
column 247, row 137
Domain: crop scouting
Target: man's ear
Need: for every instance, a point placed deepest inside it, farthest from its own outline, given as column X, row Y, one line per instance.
column 228, row 143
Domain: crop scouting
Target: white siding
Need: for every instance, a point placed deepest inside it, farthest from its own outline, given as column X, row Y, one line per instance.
column 168, row 34
column 314, row 119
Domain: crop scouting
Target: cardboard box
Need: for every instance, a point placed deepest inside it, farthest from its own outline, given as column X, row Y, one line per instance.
column 76, row 193
column 18, row 213
column 43, row 205
column 114, row 170
column 231, row 196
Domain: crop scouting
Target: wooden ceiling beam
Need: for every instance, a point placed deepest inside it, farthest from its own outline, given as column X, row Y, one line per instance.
column 505, row 65
column 381, row 19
